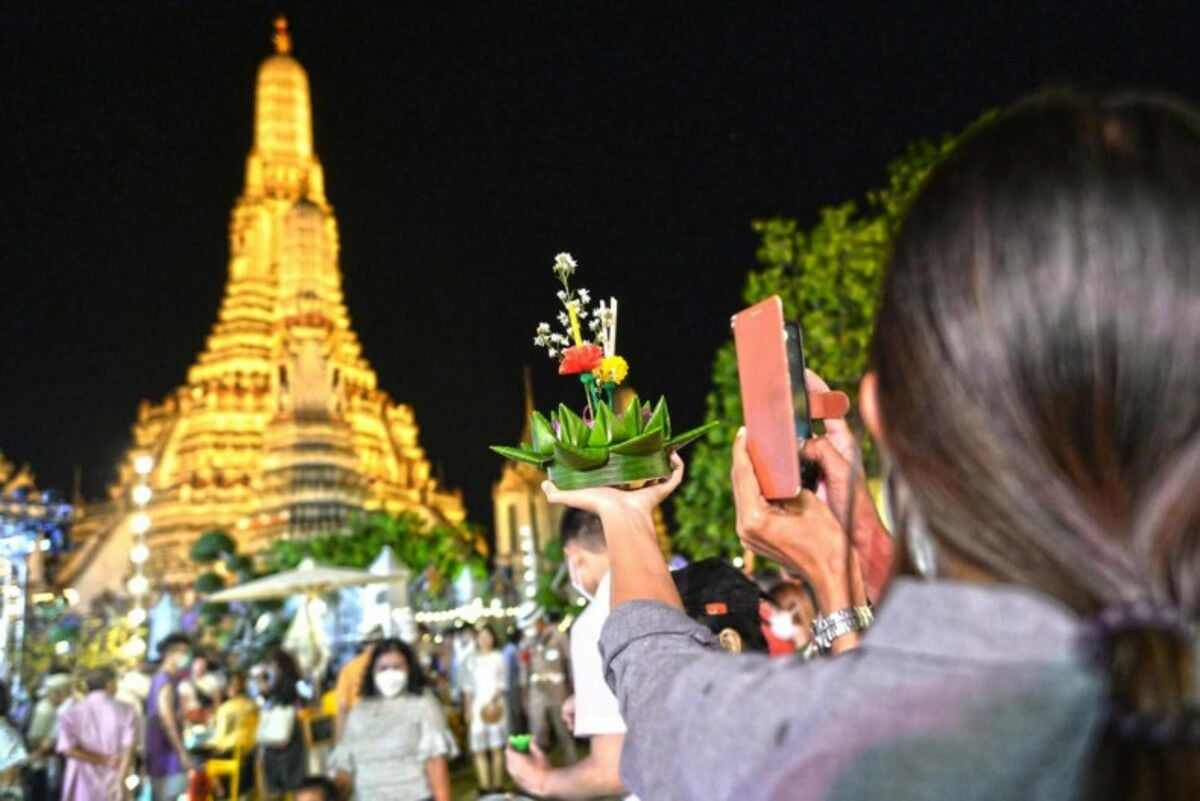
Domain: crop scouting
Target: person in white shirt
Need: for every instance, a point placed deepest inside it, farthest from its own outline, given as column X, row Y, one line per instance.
column 592, row 711
column 485, row 688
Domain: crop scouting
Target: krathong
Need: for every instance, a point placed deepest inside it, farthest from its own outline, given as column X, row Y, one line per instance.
column 598, row 447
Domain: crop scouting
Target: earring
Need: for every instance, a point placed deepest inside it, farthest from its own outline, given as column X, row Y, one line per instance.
column 730, row 641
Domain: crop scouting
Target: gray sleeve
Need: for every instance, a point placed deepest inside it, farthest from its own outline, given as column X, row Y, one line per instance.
column 716, row 714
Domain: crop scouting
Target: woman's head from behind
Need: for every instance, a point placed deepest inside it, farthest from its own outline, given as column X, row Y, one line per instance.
column 392, row 670
column 1037, row 351
column 1037, row 358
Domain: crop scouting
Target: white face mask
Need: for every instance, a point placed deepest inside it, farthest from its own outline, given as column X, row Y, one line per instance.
column 576, row 584
column 783, row 627
column 391, row 682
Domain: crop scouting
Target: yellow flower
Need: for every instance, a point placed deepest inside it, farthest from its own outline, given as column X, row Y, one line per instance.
column 612, row 370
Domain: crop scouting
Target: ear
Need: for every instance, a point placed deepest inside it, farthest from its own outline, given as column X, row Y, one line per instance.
column 868, row 405
column 730, row 641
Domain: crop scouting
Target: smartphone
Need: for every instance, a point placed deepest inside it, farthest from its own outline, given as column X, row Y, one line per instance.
column 801, row 411
column 770, row 358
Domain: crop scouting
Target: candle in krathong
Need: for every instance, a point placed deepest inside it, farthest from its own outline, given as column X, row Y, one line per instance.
column 574, row 324
column 612, row 332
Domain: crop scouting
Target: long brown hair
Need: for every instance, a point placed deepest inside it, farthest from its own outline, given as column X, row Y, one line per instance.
column 1038, row 360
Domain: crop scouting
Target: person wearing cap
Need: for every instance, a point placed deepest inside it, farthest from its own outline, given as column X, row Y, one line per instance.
column 720, row 597
column 96, row 736
column 43, row 729
column 545, row 676
column 593, row 709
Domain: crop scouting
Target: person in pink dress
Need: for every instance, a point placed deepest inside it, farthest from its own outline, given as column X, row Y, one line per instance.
column 96, row 736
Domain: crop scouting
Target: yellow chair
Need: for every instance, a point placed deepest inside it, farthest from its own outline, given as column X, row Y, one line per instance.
column 247, row 730
column 329, row 703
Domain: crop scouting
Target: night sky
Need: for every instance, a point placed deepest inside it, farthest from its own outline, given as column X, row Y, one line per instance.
column 464, row 145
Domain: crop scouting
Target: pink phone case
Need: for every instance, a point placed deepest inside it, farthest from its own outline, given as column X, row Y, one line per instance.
column 758, row 335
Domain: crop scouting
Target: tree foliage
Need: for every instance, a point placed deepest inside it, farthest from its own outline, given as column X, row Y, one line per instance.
column 829, row 278
column 211, row 546
column 436, row 554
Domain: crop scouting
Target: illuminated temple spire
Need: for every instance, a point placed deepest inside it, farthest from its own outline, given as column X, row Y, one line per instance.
column 282, row 163
column 281, row 429
column 282, row 37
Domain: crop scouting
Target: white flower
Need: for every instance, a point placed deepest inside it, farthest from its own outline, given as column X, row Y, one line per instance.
column 584, row 295
column 564, row 320
column 562, row 295
column 543, row 329
column 559, row 339
column 564, row 266
column 552, row 353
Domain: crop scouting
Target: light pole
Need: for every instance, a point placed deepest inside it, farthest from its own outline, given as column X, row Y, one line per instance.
column 140, row 552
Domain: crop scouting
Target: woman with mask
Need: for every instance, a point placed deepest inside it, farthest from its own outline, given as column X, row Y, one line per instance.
column 283, row 763
column 1034, row 391
column 396, row 744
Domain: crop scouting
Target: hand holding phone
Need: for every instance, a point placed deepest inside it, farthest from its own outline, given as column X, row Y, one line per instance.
column 775, row 400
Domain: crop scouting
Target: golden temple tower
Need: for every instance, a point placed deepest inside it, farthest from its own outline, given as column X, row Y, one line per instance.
column 524, row 520
column 281, row 429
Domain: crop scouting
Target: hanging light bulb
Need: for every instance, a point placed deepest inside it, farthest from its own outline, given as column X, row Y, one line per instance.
column 138, row 585
column 139, row 553
column 137, row 616
column 141, row 494
column 140, row 523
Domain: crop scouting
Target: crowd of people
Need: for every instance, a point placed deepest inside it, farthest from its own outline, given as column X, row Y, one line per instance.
column 1020, row 624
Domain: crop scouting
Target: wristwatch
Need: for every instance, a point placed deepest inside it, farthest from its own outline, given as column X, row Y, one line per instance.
column 827, row 628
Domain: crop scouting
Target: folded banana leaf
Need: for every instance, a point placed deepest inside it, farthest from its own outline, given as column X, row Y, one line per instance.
column 611, row 450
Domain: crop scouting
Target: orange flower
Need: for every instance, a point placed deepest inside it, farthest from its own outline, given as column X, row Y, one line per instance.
column 580, row 359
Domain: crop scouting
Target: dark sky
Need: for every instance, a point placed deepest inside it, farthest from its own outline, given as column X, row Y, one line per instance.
column 464, row 145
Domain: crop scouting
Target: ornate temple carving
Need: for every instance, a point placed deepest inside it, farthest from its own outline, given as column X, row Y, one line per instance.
column 281, row 428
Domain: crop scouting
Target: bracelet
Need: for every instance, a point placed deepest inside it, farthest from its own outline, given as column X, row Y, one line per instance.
column 827, row 628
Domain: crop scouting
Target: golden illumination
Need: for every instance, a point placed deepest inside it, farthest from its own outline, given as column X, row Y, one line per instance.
column 281, row 428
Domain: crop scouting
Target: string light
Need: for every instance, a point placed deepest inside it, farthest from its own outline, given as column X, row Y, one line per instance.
column 139, row 553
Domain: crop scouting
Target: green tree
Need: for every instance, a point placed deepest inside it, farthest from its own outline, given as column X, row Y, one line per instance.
column 829, row 278
column 436, row 554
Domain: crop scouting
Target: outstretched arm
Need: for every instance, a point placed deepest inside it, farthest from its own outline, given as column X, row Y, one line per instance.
column 638, row 570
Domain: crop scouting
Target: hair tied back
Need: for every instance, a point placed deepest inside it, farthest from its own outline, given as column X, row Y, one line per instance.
column 1115, row 638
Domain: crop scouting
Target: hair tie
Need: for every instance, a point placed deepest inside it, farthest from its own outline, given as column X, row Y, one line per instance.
column 1181, row 730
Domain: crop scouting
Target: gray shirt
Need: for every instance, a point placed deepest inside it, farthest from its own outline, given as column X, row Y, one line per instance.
column 959, row 691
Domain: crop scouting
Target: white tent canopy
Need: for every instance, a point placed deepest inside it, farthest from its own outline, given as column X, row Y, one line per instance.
column 308, row 578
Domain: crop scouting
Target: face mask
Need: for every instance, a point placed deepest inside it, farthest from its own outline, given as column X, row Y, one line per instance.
column 783, row 627
column 575, row 583
column 391, row 682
